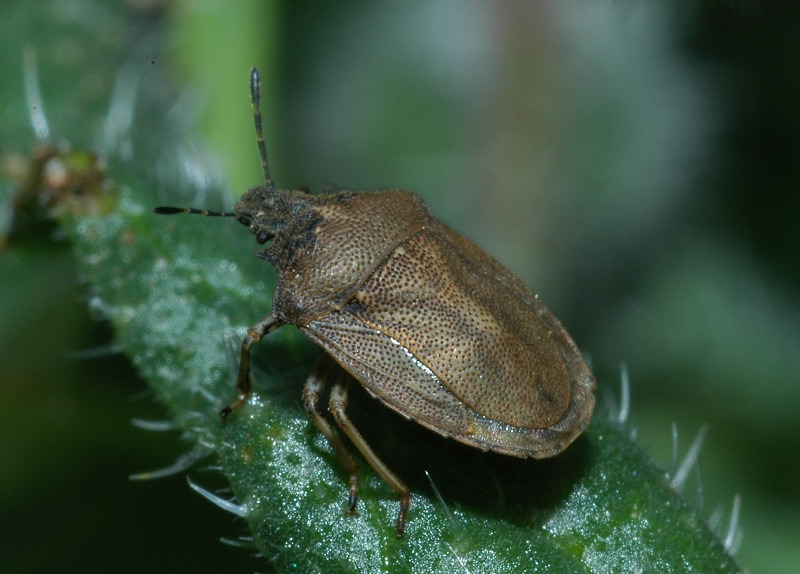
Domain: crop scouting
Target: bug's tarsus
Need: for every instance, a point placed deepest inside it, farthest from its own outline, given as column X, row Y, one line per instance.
column 405, row 502
column 255, row 98
column 228, row 409
column 352, row 499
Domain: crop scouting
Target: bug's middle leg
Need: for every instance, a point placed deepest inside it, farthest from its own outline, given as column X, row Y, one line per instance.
column 337, row 405
column 312, row 390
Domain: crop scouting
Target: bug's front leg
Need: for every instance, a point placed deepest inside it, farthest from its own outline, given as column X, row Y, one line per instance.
column 254, row 335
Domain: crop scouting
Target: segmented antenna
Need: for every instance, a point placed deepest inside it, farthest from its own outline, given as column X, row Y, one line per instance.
column 165, row 210
column 255, row 97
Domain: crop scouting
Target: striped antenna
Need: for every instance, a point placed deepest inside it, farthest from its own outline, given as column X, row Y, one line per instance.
column 255, row 97
column 165, row 210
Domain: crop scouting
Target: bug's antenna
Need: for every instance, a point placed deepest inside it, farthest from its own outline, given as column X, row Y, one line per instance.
column 255, row 97
column 240, row 217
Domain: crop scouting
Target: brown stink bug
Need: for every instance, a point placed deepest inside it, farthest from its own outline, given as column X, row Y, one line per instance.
column 426, row 321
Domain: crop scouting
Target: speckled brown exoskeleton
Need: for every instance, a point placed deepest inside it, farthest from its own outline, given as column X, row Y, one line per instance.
column 424, row 319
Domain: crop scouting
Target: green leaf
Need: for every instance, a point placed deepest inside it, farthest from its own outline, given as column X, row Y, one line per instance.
column 181, row 291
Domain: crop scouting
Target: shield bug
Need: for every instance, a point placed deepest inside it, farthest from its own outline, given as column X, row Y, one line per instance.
column 425, row 320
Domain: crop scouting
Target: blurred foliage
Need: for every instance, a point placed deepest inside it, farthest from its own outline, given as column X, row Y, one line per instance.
column 637, row 166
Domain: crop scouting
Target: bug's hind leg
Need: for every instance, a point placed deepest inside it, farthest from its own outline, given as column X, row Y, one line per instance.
column 312, row 390
column 337, row 405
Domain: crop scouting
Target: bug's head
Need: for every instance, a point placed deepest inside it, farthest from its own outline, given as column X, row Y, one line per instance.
column 264, row 209
column 267, row 210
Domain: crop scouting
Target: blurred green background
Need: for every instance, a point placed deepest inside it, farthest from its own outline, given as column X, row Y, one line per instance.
column 638, row 167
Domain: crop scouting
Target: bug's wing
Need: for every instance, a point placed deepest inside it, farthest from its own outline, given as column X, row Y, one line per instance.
column 391, row 373
column 475, row 326
column 495, row 275
column 444, row 334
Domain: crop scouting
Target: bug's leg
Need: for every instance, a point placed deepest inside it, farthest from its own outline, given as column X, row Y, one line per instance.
column 337, row 405
column 254, row 335
column 311, row 392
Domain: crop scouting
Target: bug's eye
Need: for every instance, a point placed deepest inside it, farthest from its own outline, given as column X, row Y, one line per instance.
column 263, row 237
